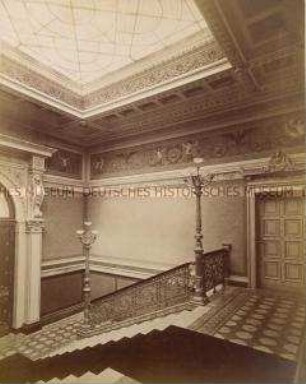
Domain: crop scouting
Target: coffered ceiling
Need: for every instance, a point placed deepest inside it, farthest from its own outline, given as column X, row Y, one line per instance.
column 251, row 64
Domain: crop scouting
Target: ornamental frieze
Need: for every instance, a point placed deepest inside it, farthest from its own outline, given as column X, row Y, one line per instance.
column 30, row 78
column 169, row 70
column 264, row 138
column 65, row 163
column 188, row 60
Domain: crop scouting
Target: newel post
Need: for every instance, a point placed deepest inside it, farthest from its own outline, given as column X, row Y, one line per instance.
column 226, row 267
column 197, row 183
column 87, row 238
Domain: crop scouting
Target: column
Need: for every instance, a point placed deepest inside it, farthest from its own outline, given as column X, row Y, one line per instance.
column 34, row 230
column 20, row 279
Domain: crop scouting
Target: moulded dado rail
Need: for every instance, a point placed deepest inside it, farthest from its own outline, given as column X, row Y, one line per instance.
column 160, row 293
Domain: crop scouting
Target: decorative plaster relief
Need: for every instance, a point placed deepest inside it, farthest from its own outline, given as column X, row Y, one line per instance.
column 38, row 194
column 30, row 78
column 169, row 70
column 65, row 163
column 35, row 225
column 186, row 61
column 268, row 136
column 38, row 163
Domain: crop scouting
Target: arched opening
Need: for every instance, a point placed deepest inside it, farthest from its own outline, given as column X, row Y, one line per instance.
column 7, row 257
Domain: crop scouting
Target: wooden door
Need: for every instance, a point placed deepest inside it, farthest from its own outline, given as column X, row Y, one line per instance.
column 281, row 243
column 7, row 252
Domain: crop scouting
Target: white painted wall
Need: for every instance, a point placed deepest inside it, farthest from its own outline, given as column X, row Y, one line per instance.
column 161, row 229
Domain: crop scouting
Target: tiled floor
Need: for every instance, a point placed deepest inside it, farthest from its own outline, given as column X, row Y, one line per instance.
column 43, row 342
column 263, row 320
column 260, row 319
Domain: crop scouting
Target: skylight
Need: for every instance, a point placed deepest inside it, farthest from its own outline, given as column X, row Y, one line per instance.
column 87, row 39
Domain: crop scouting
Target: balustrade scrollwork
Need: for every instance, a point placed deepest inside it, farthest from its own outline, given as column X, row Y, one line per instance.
column 164, row 290
column 215, row 268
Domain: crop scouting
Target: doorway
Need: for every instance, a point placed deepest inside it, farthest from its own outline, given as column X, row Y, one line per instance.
column 280, row 243
column 7, row 253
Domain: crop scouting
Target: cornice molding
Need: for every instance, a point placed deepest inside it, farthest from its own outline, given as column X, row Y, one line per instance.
column 190, row 62
column 237, row 170
column 123, row 97
column 8, row 84
column 14, row 143
column 255, row 139
column 262, row 109
column 63, row 183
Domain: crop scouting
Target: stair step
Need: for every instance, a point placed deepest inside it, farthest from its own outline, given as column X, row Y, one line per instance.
column 108, row 376
column 181, row 319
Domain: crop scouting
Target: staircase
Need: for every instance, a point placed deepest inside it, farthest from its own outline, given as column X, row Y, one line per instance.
column 165, row 290
column 168, row 356
column 108, row 376
column 182, row 319
column 139, row 314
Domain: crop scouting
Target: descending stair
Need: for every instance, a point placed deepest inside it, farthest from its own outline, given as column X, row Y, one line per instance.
column 122, row 324
column 182, row 319
column 172, row 355
column 108, row 376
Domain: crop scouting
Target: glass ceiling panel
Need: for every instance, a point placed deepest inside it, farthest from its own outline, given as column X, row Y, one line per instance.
column 86, row 39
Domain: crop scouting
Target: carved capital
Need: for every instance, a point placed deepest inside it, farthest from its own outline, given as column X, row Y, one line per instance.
column 35, row 226
column 38, row 163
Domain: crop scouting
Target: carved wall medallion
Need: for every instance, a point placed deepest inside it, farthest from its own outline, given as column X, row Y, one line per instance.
column 38, row 163
column 280, row 161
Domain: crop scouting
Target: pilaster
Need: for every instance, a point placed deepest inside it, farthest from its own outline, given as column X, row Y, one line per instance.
column 34, row 230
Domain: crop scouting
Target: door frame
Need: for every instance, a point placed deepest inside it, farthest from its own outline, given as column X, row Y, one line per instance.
column 11, row 224
column 289, row 187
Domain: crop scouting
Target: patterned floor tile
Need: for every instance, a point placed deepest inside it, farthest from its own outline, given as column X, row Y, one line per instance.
column 265, row 321
column 244, row 335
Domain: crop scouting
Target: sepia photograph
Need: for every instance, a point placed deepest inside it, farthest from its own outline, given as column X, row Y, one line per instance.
column 152, row 191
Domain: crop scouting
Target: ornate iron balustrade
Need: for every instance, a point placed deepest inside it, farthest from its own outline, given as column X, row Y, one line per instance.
column 215, row 268
column 161, row 291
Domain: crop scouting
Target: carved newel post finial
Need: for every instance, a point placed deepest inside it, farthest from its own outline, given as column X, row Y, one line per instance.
column 87, row 237
column 197, row 182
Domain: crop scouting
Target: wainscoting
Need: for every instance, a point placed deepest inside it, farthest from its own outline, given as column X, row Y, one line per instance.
column 61, row 294
column 104, row 283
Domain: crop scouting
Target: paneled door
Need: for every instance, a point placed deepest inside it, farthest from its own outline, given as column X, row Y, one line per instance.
column 7, row 251
column 280, row 235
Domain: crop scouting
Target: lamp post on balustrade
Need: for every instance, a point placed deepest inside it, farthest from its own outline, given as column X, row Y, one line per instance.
column 87, row 237
column 197, row 182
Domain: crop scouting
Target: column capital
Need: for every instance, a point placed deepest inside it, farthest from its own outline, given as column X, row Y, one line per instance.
column 35, row 226
column 38, row 164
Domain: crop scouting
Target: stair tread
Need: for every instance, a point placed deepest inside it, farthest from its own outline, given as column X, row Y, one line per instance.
column 107, row 376
column 183, row 319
